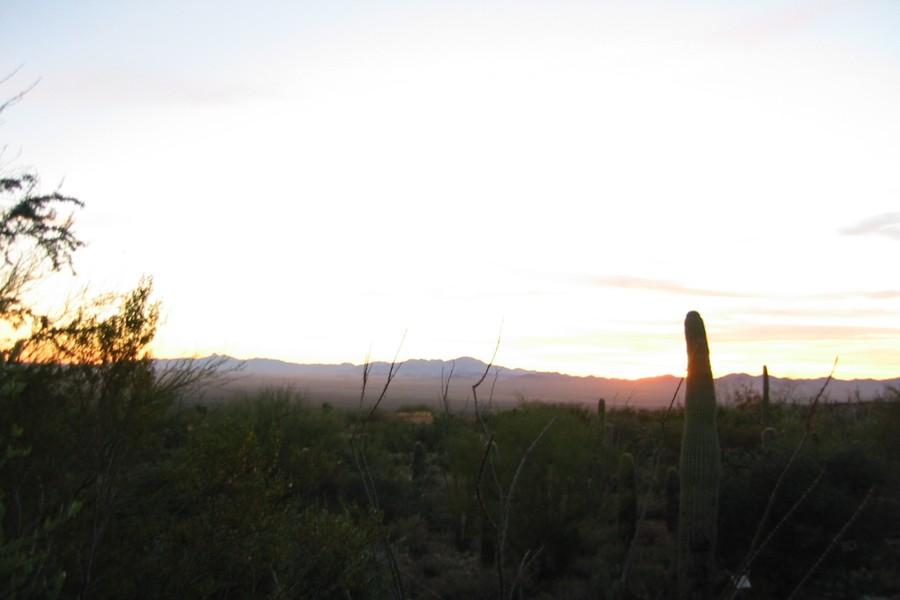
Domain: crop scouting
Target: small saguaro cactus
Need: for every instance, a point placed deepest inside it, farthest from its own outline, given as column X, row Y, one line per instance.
column 700, row 467
column 601, row 410
column 767, row 438
column 764, row 404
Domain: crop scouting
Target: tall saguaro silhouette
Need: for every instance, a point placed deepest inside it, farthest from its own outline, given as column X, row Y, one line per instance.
column 700, row 467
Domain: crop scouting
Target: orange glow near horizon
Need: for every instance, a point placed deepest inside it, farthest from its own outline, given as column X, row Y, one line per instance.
column 608, row 357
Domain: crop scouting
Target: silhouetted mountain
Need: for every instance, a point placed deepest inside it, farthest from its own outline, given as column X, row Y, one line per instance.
column 419, row 381
column 783, row 389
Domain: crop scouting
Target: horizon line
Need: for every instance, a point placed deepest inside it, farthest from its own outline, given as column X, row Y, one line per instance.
column 509, row 368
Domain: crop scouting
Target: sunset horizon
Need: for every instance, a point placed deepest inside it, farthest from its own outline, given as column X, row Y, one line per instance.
column 801, row 370
column 322, row 182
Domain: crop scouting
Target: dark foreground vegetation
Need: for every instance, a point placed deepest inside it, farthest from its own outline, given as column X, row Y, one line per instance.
column 118, row 480
column 113, row 488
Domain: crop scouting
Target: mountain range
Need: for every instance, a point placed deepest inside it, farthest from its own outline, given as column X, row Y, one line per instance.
column 424, row 382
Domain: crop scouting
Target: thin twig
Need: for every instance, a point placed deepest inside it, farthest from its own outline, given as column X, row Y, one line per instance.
column 783, row 520
column 490, row 448
column 654, row 481
column 484, row 457
column 512, row 486
column 392, row 372
column 523, row 566
column 445, row 388
column 505, row 499
column 834, row 542
column 484, row 375
column 751, row 552
column 17, row 97
column 357, row 444
column 672, row 403
column 490, row 402
column 422, row 585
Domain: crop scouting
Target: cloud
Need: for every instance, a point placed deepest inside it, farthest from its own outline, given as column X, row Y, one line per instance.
column 787, row 19
column 806, row 333
column 886, row 224
column 821, row 313
column 868, row 294
column 664, row 286
column 671, row 287
column 153, row 88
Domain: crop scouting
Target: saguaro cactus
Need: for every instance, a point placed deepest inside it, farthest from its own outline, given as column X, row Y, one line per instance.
column 700, row 466
column 764, row 404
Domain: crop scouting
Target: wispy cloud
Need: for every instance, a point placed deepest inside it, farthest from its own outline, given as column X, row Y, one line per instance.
column 805, row 333
column 820, row 313
column 787, row 19
column 886, row 224
column 153, row 88
column 664, row 286
column 868, row 294
column 672, row 287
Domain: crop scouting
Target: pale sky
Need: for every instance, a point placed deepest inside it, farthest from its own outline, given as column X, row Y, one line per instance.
column 317, row 181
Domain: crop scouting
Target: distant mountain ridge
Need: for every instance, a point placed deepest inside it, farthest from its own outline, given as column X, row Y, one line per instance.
column 463, row 366
column 421, row 379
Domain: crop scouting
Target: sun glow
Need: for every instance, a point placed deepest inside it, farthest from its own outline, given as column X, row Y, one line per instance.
column 579, row 176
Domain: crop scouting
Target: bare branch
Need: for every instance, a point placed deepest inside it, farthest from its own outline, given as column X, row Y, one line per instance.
column 654, row 482
column 833, row 543
column 357, row 445
column 487, row 369
column 490, row 401
column 512, row 486
column 751, row 552
column 478, row 497
column 672, row 403
column 491, row 362
column 527, row 560
column 445, row 388
column 15, row 99
column 780, row 523
column 367, row 370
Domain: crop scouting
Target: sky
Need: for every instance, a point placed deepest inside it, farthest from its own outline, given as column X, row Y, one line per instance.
column 326, row 181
